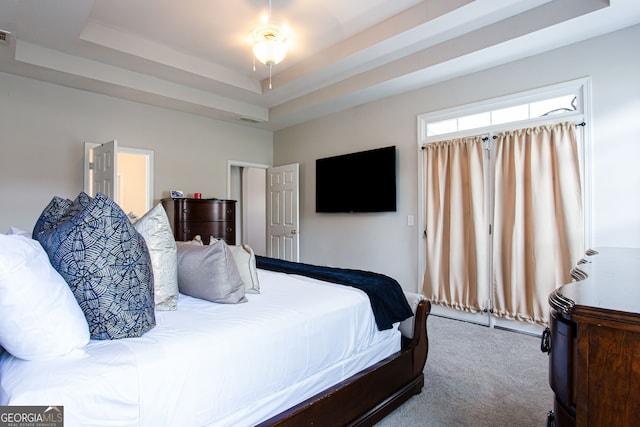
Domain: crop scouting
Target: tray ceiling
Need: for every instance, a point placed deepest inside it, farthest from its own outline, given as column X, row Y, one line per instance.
column 193, row 55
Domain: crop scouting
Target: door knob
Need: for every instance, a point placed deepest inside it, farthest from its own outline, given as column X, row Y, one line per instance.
column 294, row 231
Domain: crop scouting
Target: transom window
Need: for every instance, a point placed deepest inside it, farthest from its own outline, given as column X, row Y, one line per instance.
column 565, row 104
column 563, row 101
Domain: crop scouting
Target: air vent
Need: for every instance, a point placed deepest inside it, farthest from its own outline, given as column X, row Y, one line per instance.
column 4, row 37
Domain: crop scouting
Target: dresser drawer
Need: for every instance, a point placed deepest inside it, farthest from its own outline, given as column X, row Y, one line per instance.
column 206, row 217
column 562, row 360
column 204, row 210
column 187, row 230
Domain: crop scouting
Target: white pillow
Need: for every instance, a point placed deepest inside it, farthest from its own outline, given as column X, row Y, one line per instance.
column 16, row 230
column 156, row 230
column 39, row 316
column 245, row 260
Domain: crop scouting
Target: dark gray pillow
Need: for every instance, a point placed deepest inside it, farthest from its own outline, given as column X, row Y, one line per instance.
column 209, row 272
column 106, row 263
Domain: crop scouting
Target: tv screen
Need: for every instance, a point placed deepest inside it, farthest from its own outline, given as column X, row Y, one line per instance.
column 357, row 182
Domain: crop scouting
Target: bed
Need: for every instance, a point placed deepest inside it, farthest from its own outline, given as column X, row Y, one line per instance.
column 300, row 351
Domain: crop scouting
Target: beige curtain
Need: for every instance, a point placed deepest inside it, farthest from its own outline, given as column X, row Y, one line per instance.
column 538, row 218
column 456, row 227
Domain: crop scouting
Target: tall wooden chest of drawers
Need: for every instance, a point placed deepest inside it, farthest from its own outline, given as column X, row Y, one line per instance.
column 206, row 217
column 594, row 343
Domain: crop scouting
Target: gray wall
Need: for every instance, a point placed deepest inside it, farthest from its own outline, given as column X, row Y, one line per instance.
column 384, row 242
column 43, row 128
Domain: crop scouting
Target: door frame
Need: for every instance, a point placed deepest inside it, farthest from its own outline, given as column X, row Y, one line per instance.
column 241, row 164
column 148, row 154
column 266, row 167
column 240, row 203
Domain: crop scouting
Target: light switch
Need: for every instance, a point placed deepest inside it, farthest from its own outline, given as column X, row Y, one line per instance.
column 410, row 220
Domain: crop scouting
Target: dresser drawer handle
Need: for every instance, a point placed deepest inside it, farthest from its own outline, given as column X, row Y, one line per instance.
column 545, row 344
column 186, row 210
column 229, row 229
column 229, row 211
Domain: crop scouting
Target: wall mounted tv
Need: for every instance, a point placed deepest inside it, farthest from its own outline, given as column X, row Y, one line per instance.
column 358, row 182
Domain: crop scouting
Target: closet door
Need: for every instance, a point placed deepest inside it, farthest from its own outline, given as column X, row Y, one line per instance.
column 283, row 188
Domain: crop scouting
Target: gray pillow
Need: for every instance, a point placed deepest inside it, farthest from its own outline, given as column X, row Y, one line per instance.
column 209, row 272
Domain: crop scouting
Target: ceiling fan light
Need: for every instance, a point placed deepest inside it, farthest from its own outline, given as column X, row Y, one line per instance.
column 269, row 43
column 269, row 52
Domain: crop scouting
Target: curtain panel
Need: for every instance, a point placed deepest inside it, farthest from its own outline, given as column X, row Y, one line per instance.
column 456, row 227
column 538, row 218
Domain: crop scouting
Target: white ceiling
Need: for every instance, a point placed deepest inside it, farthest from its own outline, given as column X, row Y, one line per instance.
column 193, row 55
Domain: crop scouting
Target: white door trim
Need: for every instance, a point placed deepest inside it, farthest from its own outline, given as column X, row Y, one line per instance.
column 88, row 146
column 241, row 164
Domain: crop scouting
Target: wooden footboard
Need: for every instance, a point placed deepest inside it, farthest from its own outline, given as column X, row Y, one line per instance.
column 370, row 395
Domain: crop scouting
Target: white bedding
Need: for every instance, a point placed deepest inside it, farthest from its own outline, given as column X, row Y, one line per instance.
column 210, row 364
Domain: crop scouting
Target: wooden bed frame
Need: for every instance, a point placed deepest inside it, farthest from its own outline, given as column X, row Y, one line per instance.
column 370, row 395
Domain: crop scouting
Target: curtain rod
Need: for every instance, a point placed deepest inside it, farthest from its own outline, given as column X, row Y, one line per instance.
column 485, row 139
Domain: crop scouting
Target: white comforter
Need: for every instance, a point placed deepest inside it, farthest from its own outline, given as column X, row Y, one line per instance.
column 212, row 364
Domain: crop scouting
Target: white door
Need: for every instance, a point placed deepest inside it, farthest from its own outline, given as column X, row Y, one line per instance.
column 105, row 169
column 282, row 212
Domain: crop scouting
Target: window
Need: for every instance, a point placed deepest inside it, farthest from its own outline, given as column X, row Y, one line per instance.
column 562, row 101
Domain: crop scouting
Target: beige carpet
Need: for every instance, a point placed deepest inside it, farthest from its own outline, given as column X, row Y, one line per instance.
column 480, row 377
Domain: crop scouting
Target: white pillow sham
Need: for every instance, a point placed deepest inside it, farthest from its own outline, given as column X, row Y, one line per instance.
column 245, row 260
column 20, row 231
column 39, row 316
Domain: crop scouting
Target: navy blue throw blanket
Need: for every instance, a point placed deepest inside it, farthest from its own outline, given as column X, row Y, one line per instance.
column 387, row 299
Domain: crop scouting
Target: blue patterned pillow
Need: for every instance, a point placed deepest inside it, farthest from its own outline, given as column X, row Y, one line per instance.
column 51, row 215
column 106, row 263
column 58, row 211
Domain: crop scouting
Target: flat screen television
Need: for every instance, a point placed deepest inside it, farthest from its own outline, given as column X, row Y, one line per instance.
column 358, row 182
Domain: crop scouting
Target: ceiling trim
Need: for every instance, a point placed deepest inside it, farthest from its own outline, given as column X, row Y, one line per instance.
column 39, row 56
column 131, row 44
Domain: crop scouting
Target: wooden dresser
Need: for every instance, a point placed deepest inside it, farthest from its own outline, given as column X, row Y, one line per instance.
column 206, row 217
column 593, row 342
